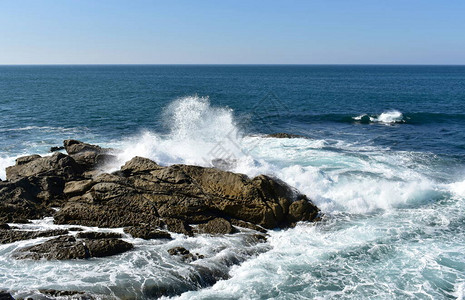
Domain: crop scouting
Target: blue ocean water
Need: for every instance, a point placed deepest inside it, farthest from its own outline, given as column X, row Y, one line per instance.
column 382, row 153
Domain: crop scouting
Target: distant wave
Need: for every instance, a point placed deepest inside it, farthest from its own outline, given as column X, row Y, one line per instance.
column 388, row 117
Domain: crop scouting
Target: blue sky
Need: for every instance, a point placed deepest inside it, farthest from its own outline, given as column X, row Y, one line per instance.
column 230, row 32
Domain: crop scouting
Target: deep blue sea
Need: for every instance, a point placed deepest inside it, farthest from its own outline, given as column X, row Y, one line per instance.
column 381, row 152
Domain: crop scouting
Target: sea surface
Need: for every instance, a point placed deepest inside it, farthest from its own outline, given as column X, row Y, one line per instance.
column 381, row 152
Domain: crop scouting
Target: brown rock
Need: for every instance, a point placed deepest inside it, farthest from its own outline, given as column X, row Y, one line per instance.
column 216, row 226
column 11, row 236
column 92, row 235
column 146, row 233
column 66, row 247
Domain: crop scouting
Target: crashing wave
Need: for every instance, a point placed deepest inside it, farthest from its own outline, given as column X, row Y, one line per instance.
column 388, row 117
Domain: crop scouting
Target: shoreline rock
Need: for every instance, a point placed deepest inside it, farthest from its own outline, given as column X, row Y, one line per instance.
column 144, row 197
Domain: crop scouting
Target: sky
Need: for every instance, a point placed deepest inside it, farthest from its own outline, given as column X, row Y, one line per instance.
column 232, row 32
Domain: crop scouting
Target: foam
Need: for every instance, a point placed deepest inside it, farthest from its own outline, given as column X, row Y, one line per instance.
column 387, row 117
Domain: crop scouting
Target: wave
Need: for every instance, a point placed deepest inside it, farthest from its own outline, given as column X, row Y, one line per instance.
column 388, row 117
column 337, row 175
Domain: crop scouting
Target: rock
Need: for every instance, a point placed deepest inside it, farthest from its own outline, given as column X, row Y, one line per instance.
column 6, row 296
column 179, row 195
column 139, row 165
column 72, row 188
column 67, row 294
column 247, row 225
column 75, row 229
column 146, row 233
column 184, row 254
column 92, row 235
column 19, row 202
column 66, row 247
column 61, row 248
column 26, row 159
column 216, row 226
column 178, row 251
column 86, row 155
column 11, row 236
column 283, row 135
column 4, row 226
column 59, row 165
column 107, row 247
column 56, row 148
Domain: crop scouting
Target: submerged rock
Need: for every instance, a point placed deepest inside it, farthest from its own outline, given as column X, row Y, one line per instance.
column 6, row 296
column 283, row 135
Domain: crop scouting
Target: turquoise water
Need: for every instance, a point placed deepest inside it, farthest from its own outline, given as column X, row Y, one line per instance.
column 382, row 154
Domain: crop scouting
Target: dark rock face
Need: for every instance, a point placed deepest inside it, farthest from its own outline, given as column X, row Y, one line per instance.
column 6, row 296
column 67, row 247
column 11, row 236
column 146, row 233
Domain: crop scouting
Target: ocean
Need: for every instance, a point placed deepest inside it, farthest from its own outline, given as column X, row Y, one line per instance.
column 379, row 149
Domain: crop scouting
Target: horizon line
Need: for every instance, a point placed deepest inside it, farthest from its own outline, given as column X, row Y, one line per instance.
column 230, row 64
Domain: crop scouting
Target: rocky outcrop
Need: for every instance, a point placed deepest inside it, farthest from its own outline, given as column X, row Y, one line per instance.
column 178, row 195
column 145, row 197
column 67, row 247
column 86, row 155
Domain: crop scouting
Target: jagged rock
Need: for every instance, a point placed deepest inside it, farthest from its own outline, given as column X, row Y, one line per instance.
column 19, row 202
column 216, row 226
column 67, row 247
column 247, row 225
column 11, row 236
column 179, row 195
column 146, row 233
column 86, row 155
column 58, row 164
column 178, row 251
column 92, row 235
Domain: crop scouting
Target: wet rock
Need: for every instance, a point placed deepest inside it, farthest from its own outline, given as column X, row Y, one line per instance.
column 107, row 247
column 75, row 229
column 146, row 233
column 56, row 148
column 11, row 236
column 4, row 226
column 216, row 226
column 67, row 247
column 184, row 254
column 65, row 294
column 92, row 235
column 283, row 135
column 247, row 225
column 5, row 296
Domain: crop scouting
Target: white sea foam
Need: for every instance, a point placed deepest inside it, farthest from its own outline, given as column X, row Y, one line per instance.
column 387, row 117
